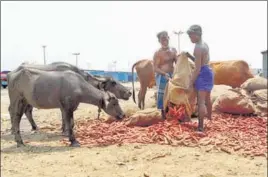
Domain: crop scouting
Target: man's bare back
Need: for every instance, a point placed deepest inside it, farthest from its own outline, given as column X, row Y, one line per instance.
column 203, row 47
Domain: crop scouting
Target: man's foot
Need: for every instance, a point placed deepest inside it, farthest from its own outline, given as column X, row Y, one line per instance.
column 75, row 144
column 163, row 114
column 200, row 129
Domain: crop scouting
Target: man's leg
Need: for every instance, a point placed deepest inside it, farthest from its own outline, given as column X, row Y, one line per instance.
column 202, row 110
column 161, row 83
column 209, row 105
column 160, row 104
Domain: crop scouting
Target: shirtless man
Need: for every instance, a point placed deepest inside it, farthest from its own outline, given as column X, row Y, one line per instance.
column 164, row 58
column 203, row 77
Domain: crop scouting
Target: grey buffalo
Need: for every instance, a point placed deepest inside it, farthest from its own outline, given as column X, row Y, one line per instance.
column 55, row 89
column 102, row 83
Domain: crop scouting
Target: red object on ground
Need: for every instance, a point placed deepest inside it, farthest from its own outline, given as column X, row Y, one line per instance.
column 177, row 112
column 244, row 135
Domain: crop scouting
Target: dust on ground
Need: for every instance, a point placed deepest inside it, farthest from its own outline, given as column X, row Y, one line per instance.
column 45, row 156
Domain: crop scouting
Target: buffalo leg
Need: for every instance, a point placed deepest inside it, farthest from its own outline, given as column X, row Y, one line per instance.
column 29, row 114
column 68, row 116
column 17, row 113
column 11, row 118
column 63, row 127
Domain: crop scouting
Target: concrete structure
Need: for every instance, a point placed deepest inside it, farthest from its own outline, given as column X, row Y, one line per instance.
column 264, row 63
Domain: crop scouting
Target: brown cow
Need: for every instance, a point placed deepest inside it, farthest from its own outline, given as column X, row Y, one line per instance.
column 145, row 72
column 232, row 73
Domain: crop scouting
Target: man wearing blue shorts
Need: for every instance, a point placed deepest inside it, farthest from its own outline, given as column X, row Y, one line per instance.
column 203, row 77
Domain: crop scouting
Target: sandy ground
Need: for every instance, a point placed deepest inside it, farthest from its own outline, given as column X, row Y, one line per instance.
column 44, row 155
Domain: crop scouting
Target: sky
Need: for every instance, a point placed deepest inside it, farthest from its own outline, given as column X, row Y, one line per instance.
column 125, row 32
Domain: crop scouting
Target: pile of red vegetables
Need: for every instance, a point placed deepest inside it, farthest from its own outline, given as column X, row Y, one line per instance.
column 176, row 112
column 231, row 134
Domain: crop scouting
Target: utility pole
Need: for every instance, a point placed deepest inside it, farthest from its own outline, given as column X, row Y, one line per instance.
column 44, row 51
column 179, row 33
column 76, row 57
column 114, row 62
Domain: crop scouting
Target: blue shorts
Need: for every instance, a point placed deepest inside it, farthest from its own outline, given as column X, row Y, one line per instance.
column 205, row 79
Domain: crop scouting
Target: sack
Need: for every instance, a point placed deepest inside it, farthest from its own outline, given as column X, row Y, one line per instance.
column 261, row 109
column 256, row 83
column 144, row 118
column 217, row 91
column 259, row 98
column 261, row 95
column 233, row 102
column 176, row 91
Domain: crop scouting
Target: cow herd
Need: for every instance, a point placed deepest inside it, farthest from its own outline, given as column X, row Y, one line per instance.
column 63, row 86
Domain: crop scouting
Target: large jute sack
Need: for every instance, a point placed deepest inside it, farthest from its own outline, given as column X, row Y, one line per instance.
column 233, row 102
column 256, row 83
column 261, row 95
column 261, row 108
column 176, row 91
column 217, row 91
column 144, row 118
column 259, row 98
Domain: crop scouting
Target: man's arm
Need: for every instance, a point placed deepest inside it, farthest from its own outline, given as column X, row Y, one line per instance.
column 156, row 64
column 198, row 58
column 190, row 56
column 175, row 55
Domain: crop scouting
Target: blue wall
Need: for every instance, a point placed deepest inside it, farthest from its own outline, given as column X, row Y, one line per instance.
column 120, row 76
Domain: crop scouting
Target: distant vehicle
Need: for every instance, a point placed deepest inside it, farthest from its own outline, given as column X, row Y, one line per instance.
column 4, row 78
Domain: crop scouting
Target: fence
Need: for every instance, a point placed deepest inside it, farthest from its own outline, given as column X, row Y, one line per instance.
column 120, row 76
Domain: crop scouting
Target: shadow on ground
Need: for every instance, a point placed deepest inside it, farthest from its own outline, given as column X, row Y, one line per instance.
column 35, row 149
column 38, row 136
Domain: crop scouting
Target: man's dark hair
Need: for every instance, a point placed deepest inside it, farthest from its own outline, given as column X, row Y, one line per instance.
column 195, row 29
column 162, row 33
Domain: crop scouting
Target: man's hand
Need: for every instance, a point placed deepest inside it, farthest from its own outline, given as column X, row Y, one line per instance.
column 167, row 76
column 190, row 56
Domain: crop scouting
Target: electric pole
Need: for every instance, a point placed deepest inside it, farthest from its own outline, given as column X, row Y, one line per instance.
column 179, row 33
column 76, row 58
column 114, row 62
column 44, row 51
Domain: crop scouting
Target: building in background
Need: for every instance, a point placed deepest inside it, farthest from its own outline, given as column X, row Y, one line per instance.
column 256, row 71
column 264, row 63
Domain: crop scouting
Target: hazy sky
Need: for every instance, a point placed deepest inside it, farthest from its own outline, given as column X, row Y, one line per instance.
column 126, row 31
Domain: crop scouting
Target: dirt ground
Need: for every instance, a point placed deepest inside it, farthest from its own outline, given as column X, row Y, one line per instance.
column 44, row 155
